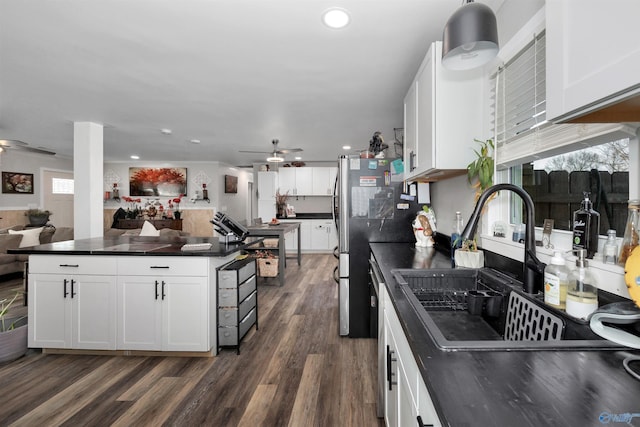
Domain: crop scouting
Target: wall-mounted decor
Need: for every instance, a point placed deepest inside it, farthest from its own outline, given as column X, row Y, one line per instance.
column 17, row 183
column 157, row 182
column 230, row 184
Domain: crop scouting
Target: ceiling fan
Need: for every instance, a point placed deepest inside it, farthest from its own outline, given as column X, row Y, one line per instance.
column 14, row 144
column 276, row 153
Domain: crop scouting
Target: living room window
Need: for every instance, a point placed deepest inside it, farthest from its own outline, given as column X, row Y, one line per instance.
column 61, row 186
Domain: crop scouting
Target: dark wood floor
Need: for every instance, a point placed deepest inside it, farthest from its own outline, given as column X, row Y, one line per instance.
column 295, row 370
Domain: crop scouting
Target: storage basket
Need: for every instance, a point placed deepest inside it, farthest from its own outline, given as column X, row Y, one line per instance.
column 270, row 243
column 267, row 267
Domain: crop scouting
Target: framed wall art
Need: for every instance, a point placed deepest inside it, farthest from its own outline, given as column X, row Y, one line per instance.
column 230, row 184
column 17, row 183
column 157, row 182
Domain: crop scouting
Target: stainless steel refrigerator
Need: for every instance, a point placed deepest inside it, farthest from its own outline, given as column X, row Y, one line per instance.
column 370, row 209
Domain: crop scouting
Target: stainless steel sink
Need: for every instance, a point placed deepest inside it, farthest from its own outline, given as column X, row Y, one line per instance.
column 483, row 309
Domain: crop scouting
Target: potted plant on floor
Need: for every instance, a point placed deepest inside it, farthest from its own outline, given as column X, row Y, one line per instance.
column 13, row 332
column 38, row 216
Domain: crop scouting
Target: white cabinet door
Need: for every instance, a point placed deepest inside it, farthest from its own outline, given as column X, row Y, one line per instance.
column 74, row 311
column 139, row 313
column 410, row 130
column 304, row 181
column 443, row 115
column 391, row 404
column 163, row 313
column 94, row 313
column 185, row 319
column 319, row 235
column 287, row 181
column 266, row 209
column 296, row 181
column 267, row 185
column 49, row 312
column 322, row 185
column 587, row 64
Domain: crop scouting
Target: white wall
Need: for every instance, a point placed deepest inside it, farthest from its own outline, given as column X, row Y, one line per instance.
column 22, row 161
column 234, row 204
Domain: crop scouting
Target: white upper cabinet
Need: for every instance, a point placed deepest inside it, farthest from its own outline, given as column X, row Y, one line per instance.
column 267, row 185
column 593, row 55
column 443, row 115
column 307, row 181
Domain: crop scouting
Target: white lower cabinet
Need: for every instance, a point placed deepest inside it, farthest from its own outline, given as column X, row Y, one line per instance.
column 316, row 235
column 129, row 303
column 163, row 304
column 406, row 397
column 70, row 310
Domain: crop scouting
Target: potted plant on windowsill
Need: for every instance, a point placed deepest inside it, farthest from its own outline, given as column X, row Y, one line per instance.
column 480, row 171
column 469, row 255
column 13, row 332
column 38, row 216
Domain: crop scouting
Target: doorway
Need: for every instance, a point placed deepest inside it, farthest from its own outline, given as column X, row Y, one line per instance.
column 57, row 196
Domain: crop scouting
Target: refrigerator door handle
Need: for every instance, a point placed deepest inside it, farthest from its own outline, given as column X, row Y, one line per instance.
column 343, row 217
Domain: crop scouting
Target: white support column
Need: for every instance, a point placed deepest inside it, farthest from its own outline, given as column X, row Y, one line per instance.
column 634, row 172
column 88, row 163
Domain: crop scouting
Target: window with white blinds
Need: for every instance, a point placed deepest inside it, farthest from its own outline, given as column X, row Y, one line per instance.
column 520, row 94
column 522, row 132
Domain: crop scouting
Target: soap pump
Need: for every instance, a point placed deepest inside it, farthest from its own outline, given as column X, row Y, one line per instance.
column 556, row 281
column 586, row 227
column 582, row 295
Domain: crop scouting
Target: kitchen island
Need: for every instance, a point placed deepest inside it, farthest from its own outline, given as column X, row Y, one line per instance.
column 506, row 388
column 126, row 295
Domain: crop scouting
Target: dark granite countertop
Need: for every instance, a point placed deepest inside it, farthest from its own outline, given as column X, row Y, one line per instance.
column 317, row 215
column 509, row 388
column 137, row 245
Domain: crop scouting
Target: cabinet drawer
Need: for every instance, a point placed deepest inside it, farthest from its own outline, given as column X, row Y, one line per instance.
column 163, row 266
column 231, row 277
column 230, row 316
column 232, row 335
column 72, row 264
column 230, row 297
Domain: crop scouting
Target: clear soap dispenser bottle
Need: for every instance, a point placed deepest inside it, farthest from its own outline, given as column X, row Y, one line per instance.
column 582, row 295
column 556, row 282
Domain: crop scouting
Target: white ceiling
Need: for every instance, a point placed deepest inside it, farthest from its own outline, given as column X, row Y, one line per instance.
column 232, row 73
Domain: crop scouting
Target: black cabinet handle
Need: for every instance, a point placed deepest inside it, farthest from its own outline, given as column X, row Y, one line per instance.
column 65, row 293
column 421, row 424
column 72, row 292
column 163, row 294
column 412, row 158
column 159, row 266
column 157, row 294
column 70, row 265
column 390, row 374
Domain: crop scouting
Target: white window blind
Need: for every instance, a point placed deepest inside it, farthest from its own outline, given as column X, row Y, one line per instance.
column 520, row 93
column 522, row 133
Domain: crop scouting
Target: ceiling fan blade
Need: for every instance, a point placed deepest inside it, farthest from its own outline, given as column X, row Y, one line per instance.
column 14, row 144
column 249, row 151
column 288, row 150
column 38, row 150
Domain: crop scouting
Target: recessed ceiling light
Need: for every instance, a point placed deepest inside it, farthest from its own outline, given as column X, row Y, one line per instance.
column 166, row 131
column 346, row 147
column 336, row 17
column 194, row 141
column 135, row 157
column 298, row 158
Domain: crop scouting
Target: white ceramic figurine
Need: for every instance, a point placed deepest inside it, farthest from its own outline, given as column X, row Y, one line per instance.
column 424, row 227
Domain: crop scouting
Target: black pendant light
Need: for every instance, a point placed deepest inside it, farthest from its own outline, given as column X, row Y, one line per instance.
column 470, row 38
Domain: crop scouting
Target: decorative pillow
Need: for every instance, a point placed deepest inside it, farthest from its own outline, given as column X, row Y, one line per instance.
column 149, row 230
column 30, row 237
